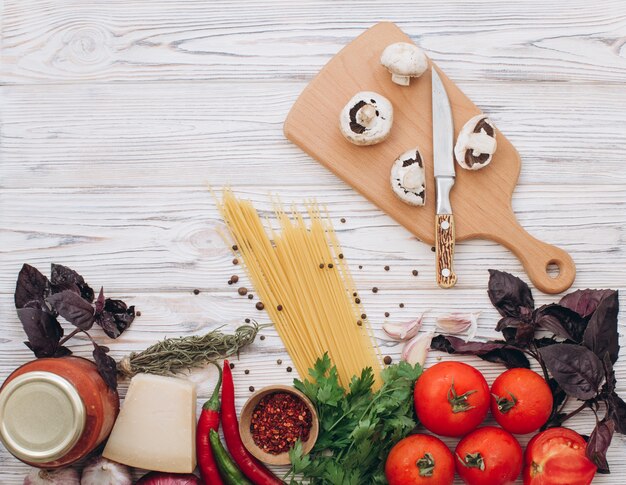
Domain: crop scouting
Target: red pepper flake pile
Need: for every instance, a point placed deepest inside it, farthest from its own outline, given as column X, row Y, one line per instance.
column 278, row 421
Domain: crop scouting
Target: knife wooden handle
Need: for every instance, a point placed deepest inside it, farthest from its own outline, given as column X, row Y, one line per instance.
column 444, row 244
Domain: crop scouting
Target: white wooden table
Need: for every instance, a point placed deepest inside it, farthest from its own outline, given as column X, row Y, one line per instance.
column 115, row 114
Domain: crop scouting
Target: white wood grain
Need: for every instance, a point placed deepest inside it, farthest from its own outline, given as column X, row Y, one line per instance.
column 77, row 40
column 135, row 134
column 114, row 115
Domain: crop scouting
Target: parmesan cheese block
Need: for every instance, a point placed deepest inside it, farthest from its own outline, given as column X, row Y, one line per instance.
column 156, row 428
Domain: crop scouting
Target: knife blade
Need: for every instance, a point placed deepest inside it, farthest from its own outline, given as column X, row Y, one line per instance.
column 443, row 133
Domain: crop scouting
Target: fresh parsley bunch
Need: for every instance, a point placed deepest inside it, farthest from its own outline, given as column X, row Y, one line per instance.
column 358, row 426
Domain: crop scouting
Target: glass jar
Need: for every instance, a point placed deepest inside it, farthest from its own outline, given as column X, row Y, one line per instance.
column 54, row 412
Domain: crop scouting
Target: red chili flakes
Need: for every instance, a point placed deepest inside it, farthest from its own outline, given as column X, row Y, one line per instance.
column 278, row 421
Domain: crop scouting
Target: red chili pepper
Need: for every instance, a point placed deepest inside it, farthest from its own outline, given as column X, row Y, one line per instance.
column 209, row 419
column 248, row 464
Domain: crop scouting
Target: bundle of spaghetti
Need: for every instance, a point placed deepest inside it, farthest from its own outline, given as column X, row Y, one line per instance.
column 303, row 280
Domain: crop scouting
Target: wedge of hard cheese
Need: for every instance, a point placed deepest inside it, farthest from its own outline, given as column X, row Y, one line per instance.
column 156, row 428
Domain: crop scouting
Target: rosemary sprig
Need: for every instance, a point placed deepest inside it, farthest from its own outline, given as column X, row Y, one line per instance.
column 175, row 355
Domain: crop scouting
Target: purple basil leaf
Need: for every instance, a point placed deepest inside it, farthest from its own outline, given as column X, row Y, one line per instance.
column 73, row 308
column 617, row 412
column 599, row 443
column 42, row 329
column 511, row 358
column 561, row 321
column 577, row 370
column 106, row 365
column 62, row 352
column 558, row 394
column 32, row 286
column 584, row 302
column 609, row 374
column 498, row 352
column 508, row 322
column 509, row 294
column 100, row 302
column 545, row 342
column 455, row 345
column 116, row 317
column 524, row 334
column 64, row 278
column 601, row 335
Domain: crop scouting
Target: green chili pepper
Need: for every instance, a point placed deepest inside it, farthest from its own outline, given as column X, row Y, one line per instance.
column 230, row 473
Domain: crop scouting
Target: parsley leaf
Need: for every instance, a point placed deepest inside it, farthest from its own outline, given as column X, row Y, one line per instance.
column 358, row 426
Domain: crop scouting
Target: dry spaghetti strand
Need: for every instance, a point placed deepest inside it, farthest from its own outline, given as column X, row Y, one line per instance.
column 298, row 270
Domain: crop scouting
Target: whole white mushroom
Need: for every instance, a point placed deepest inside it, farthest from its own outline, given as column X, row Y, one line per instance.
column 404, row 61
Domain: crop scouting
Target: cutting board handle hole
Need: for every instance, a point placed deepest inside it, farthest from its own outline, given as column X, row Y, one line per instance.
column 553, row 269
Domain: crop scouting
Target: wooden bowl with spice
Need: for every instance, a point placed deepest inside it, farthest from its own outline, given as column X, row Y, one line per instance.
column 273, row 419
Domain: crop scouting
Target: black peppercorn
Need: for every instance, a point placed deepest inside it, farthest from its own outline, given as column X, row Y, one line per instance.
column 279, row 308
column 137, row 313
column 231, row 365
column 414, row 272
column 196, row 291
column 289, row 369
column 247, row 320
column 260, row 306
column 386, row 314
column 387, row 360
column 343, row 220
column 401, row 305
column 235, row 248
column 330, row 265
column 235, row 261
column 279, row 361
column 251, row 388
column 363, row 316
column 357, row 300
column 262, row 337
column 246, row 371
column 374, row 290
column 250, row 296
column 386, row 268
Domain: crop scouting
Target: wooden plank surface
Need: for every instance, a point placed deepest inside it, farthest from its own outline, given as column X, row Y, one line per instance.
column 114, row 115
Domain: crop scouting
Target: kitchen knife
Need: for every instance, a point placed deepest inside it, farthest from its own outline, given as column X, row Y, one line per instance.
column 443, row 132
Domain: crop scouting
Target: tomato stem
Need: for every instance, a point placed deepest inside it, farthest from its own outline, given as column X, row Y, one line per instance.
column 426, row 465
column 505, row 404
column 473, row 460
column 458, row 403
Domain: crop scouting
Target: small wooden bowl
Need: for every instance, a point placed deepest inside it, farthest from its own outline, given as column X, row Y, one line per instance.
column 246, row 418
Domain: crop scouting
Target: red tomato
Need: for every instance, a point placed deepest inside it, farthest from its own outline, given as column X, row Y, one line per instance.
column 557, row 457
column 488, row 455
column 420, row 459
column 521, row 401
column 451, row 398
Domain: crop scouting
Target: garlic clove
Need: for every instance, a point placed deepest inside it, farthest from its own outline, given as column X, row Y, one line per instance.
column 416, row 350
column 456, row 323
column 403, row 331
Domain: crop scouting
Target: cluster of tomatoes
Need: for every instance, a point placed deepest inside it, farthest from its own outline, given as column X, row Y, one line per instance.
column 452, row 399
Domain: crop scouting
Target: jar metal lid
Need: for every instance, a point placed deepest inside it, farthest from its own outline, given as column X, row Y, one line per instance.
column 42, row 416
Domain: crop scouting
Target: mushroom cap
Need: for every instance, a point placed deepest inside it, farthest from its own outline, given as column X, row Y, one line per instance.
column 408, row 180
column 404, row 59
column 477, row 134
column 366, row 119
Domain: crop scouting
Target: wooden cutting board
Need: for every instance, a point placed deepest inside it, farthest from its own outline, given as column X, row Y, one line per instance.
column 481, row 200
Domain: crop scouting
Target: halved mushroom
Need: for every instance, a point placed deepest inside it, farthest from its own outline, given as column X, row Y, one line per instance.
column 366, row 119
column 404, row 61
column 407, row 178
column 476, row 143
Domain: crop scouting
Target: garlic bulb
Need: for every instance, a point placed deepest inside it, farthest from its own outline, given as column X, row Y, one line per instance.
column 100, row 471
column 416, row 350
column 455, row 323
column 403, row 331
